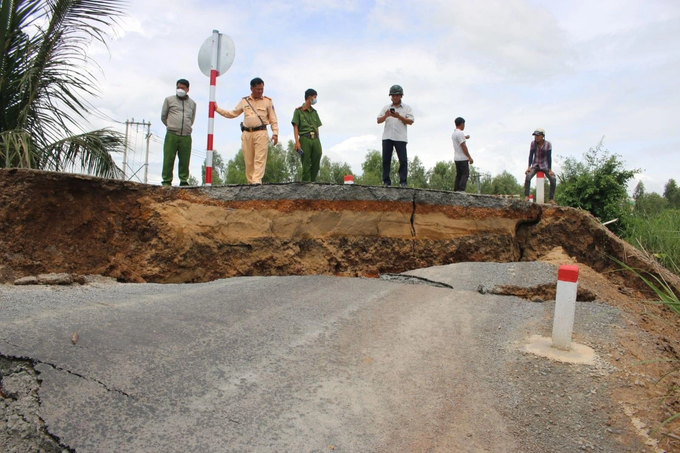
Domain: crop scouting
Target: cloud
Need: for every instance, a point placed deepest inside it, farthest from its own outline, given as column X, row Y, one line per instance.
column 353, row 150
column 581, row 70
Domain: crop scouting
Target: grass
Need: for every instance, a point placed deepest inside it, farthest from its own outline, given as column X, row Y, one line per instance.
column 667, row 296
column 658, row 235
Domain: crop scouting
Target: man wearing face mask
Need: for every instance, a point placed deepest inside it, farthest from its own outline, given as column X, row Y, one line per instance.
column 178, row 115
column 258, row 112
column 306, row 125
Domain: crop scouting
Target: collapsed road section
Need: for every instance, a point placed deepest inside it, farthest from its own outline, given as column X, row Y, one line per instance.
column 53, row 222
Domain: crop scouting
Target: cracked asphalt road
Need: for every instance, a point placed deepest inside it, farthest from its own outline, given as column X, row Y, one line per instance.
column 305, row 364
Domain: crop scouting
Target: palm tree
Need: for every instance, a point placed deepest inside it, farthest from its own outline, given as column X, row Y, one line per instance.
column 45, row 79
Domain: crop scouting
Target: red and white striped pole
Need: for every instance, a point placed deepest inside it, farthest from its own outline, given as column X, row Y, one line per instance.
column 540, row 187
column 349, row 179
column 211, row 106
column 565, row 306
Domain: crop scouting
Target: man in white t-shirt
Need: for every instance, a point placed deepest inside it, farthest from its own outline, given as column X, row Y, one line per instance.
column 461, row 156
column 396, row 117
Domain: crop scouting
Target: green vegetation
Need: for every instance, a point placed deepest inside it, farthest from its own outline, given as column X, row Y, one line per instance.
column 597, row 184
column 45, row 80
column 654, row 226
column 284, row 165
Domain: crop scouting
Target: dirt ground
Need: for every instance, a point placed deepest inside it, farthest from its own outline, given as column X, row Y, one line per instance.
column 647, row 355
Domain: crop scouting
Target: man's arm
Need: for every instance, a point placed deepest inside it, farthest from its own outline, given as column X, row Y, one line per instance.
column 383, row 115
column 296, row 136
column 164, row 112
column 296, row 130
column 193, row 115
column 231, row 113
column 274, row 122
column 464, row 147
column 407, row 119
column 531, row 159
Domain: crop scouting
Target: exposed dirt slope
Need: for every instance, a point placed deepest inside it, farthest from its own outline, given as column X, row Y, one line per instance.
column 51, row 222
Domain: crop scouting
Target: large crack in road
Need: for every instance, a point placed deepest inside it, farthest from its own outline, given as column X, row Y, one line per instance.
column 21, row 426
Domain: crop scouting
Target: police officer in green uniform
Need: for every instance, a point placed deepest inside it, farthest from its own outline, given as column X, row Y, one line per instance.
column 306, row 125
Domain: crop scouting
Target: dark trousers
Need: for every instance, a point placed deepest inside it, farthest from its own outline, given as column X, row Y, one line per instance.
column 462, row 175
column 532, row 173
column 388, row 145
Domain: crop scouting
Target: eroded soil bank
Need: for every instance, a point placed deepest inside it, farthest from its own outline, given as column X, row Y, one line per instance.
column 52, row 222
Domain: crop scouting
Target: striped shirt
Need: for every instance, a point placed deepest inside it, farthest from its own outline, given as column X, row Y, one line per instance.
column 540, row 157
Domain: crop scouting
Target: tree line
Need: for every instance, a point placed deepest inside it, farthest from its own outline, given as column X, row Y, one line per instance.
column 284, row 165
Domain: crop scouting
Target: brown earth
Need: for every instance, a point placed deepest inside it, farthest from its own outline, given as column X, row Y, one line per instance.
column 53, row 222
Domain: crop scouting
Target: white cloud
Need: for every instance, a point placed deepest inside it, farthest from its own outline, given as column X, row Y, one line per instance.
column 581, row 70
column 353, row 150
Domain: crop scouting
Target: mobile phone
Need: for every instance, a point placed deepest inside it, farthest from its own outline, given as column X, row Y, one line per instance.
column 392, row 109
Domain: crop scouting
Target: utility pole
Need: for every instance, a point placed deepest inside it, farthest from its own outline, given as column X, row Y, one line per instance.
column 144, row 124
column 125, row 144
column 146, row 166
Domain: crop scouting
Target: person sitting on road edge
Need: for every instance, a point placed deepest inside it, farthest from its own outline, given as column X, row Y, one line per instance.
column 306, row 125
column 540, row 159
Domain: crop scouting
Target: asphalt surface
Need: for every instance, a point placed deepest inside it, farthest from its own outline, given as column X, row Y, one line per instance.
column 472, row 276
column 305, row 364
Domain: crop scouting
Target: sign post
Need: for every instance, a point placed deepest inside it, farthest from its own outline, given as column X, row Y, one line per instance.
column 214, row 59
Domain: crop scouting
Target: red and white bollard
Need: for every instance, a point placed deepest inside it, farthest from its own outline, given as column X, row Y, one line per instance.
column 349, row 179
column 565, row 306
column 540, row 187
column 211, row 107
column 531, row 198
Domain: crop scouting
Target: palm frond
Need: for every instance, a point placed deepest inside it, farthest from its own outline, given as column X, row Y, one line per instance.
column 16, row 149
column 46, row 79
column 89, row 152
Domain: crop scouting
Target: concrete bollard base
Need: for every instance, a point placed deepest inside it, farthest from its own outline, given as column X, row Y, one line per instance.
column 578, row 354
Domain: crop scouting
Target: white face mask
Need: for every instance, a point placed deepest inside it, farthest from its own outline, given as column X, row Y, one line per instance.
column 313, row 101
column 181, row 93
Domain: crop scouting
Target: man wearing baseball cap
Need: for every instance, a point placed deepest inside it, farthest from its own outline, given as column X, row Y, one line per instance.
column 540, row 159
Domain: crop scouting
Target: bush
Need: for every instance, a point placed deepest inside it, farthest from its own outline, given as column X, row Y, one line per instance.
column 597, row 184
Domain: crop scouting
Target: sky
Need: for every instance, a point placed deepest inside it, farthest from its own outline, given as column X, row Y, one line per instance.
column 582, row 70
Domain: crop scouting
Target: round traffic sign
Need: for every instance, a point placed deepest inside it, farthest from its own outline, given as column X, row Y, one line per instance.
column 225, row 55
